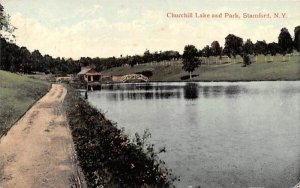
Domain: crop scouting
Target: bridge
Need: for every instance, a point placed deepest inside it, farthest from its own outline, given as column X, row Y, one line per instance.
column 129, row 77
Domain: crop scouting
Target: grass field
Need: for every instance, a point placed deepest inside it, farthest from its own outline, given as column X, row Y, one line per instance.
column 17, row 94
column 263, row 68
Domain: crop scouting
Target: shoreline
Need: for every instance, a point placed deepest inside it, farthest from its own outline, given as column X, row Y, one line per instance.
column 205, row 81
column 107, row 156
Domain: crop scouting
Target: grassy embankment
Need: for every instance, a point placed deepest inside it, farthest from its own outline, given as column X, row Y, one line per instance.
column 280, row 68
column 107, row 156
column 17, row 94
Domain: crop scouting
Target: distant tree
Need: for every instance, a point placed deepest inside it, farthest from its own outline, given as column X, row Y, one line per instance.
column 273, row 48
column 147, row 56
column 206, row 51
column 200, row 53
column 38, row 62
column 216, row 48
column 233, row 45
column 26, row 61
column 285, row 41
column 132, row 61
column 297, row 38
column 190, row 60
column 248, row 47
column 261, row 47
column 170, row 55
column 156, row 56
column 85, row 61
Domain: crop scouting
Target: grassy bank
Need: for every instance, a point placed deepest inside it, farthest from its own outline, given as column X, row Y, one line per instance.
column 17, row 94
column 261, row 70
column 107, row 156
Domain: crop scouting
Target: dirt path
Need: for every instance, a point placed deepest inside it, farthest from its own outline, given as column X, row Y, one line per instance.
column 38, row 151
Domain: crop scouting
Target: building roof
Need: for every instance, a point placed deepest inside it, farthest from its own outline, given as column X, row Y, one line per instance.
column 85, row 70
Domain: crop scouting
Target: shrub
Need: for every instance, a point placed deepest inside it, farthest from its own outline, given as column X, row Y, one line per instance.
column 106, row 154
column 246, row 60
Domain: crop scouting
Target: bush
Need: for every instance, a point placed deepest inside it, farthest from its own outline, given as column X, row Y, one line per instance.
column 246, row 60
column 108, row 157
column 146, row 73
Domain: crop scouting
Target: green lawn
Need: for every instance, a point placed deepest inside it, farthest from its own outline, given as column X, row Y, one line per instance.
column 281, row 68
column 17, row 94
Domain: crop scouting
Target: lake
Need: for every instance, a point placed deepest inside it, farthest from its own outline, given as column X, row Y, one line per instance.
column 216, row 134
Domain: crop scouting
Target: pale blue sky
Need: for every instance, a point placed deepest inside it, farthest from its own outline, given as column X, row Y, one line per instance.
column 74, row 28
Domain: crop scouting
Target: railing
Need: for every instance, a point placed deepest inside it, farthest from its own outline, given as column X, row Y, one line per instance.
column 134, row 77
column 216, row 60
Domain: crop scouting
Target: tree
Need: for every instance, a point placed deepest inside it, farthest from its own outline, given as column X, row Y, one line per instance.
column 206, row 51
column 285, row 41
column 135, row 60
column 147, row 56
column 5, row 26
column 37, row 59
column 170, row 55
column 248, row 47
column 26, row 61
column 216, row 48
column 190, row 60
column 261, row 47
column 297, row 38
column 246, row 60
column 233, row 45
column 273, row 48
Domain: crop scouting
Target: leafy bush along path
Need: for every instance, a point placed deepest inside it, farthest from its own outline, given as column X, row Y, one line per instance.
column 107, row 157
column 38, row 150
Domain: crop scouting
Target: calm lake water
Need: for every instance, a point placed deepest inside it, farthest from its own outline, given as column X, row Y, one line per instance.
column 242, row 134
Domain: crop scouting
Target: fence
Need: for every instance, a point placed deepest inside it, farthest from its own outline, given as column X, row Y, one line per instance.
column 216, row 60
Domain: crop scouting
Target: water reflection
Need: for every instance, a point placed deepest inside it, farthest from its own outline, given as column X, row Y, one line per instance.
column 188, row 91
column 234, row 90
column 214, row 132
column 143, row 95
column 191, row 91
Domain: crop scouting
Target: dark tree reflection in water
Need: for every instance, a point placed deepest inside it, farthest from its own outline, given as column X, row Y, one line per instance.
column 220, row 134
column 191, row 91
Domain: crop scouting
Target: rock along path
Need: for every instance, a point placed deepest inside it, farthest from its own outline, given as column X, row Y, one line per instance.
column 38, row 151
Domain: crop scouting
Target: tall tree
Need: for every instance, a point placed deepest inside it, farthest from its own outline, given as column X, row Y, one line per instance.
column 233, row 45
column 37, row 59
column 190, row 60
column 285, row 41
column 5, row 26
column 216, row 48
column 26, row 61
column 297, row 38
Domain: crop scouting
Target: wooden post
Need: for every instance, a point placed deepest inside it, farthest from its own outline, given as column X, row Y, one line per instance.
column 85, row 95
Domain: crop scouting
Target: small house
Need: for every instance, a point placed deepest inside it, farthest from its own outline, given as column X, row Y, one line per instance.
column 89, row 75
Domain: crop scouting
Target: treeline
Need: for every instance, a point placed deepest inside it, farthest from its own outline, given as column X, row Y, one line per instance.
column 20, row 59
column 235, row 45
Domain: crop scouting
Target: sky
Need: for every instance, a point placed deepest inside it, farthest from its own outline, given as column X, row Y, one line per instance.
column 105, row 28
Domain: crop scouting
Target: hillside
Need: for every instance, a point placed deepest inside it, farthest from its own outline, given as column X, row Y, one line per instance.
column 279, row 69
column 17, row 94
